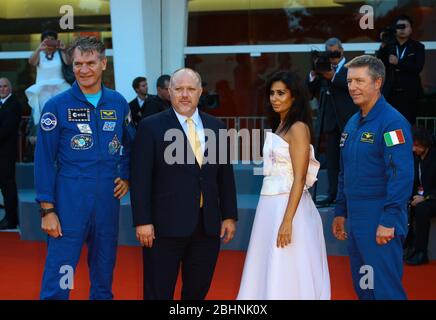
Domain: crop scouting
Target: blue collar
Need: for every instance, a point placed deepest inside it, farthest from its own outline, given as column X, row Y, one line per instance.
column 77, row 93
column 375, row 111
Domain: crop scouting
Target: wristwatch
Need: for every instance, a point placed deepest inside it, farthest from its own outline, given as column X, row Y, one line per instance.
column 44, row 212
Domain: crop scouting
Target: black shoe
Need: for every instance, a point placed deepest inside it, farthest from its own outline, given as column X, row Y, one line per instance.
column 5, row 224
column 2, row 206
column 417, row 259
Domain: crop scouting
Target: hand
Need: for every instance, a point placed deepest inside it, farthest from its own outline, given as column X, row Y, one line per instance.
column 42, row 46
column 284, row 234
column 228, row 228
column 121, row 188
column 328, row 75
column 384, row 235
column 416, row 200
column 62, row 45
column 50, row 224
column 338, row 228
column 393, row 59
column 145, row 235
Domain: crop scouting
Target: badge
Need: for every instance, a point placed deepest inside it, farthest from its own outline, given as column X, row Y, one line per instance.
column 109, row 126
column 108, row 115
column 367, row 137
column 114, row 145
column 84, row 128
column 79, row 115
column 392, row 138
column 344, row 137
column 81, row 142
column 48, row 121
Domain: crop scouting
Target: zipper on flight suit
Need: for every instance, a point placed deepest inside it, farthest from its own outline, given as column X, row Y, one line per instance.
column 392, row 165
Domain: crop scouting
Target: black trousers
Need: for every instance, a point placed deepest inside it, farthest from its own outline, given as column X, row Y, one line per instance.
column 195, row 256
column 333, row 139
column 422, row 215
column 8, row 186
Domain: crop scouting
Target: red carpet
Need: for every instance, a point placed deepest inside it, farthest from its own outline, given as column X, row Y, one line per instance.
column 22, row 262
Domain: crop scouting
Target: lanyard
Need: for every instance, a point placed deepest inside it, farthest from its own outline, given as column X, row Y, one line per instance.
column 402, row 53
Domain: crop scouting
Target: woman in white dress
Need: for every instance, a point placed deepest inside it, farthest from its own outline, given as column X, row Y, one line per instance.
column 286, row 257
column 49, row 79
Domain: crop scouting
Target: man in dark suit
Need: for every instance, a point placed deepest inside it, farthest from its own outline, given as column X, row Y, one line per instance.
column 10, row 116
column 423, row 202
column 161, row 101
column 336, row 108
column 181, row 208
column 404, row 61
column 138, row 105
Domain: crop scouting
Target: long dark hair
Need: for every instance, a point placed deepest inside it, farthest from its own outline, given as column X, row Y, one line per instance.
column 300, row 110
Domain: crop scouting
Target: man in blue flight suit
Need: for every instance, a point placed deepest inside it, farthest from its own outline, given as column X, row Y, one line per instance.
column 375, row 183
column 81, row 172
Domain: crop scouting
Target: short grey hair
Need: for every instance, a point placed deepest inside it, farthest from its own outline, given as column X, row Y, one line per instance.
column 376, row 68
column 7, row 81
column 196, row 74
column 88, row 44
column 333, row 42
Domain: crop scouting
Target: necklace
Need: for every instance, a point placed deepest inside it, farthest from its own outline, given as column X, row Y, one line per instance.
column 49, row 56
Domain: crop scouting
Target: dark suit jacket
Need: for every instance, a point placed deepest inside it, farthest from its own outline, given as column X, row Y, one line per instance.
column 405, row 75
column 335, row 104
column 343, row 105
column 155, row 105
column 10, row 116
column 136, row 112
column 428, row 174
column 168, row 195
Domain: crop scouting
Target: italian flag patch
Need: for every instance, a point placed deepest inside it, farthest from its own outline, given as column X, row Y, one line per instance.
column 393, row 138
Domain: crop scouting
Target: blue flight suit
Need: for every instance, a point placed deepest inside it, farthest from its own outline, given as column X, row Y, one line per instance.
column 80, row 151
column 375, row 183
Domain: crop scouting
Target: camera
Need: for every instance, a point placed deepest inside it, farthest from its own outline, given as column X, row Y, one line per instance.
column 208, row 100
column 321, row 60
column 389, row 36
column 52, row 43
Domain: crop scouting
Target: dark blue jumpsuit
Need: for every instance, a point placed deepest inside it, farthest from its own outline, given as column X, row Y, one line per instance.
column 375, row 183
column 80, row 151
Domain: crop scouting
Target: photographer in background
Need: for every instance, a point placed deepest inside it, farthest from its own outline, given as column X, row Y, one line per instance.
column 48, row 59
column 328, row 80
column 404, row 59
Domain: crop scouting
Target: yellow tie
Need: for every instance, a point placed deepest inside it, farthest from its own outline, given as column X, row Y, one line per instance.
column 194, row 141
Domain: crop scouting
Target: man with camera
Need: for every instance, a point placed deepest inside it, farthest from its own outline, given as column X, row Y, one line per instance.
column 404, row 59
column 329, row 80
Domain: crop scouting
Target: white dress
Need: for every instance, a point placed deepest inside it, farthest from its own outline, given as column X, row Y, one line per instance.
column 49, row 82
column 300, row 270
